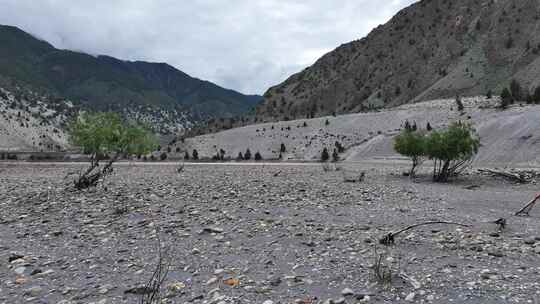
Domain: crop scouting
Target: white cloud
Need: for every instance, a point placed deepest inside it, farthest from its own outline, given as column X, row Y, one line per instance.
column 247, row 45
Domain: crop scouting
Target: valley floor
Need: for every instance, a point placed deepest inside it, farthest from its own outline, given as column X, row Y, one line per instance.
column 254, row 234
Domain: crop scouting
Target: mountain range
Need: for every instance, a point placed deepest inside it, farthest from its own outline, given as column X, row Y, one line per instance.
column 105, row 83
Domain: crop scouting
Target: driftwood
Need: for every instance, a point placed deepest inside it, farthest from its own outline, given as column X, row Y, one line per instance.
column 389, row 239
column 508, row 175
column 527, row 208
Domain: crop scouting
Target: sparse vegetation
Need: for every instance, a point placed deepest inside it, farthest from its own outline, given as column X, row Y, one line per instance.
column 412, row 144
column 451, row 150
column 324, row 155
column 106, row 135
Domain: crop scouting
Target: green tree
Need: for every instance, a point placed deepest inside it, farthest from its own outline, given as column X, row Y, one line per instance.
column 459, row 104
column 506, row 98
column 516, row 91
column 247, row 155
column 536, row 95
column 106, row 135
column 451, row 150
column 413, row 145
column 335, row 156
column 324, row 155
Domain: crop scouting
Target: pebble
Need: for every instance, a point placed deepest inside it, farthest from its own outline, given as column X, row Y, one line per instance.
column 410, row 297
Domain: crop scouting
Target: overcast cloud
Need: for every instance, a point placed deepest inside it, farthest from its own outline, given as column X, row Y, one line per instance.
column 246, row 45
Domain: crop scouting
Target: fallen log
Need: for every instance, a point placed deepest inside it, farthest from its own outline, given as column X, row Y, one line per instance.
column 508, row 175
column 527, row 208
column 389, row 239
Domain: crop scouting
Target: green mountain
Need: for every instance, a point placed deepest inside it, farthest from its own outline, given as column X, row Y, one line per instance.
column 106, row 83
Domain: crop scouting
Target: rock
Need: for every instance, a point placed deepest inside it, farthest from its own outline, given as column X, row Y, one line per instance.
column 339, row 301
column 14, row 257
column 347, row 292
column 268, row 302
column 410, row 297
column 20, row 270
column 33, row 291
column 497, row 254
column 36, row 271
column 211, row 230
column 530, row 241
column 139, row 290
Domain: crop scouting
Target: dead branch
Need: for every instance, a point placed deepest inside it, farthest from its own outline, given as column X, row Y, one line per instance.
column 389, row 239
column 92, row 175
column 508, row 175
column 155, row 284
column 277, row 173
column 527, row 208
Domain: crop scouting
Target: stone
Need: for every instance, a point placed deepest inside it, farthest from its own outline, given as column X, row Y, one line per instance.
column 20, row 270
column 33, row 291
column 347, row 292
column 410, row 297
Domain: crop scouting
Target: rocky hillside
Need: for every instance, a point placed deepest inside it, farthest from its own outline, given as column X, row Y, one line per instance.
column 510, row 137
column 432, row 49
column 30, row 122
column 105, row 83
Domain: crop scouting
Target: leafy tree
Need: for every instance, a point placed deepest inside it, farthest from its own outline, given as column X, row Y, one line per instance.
column 429, row 127
column 459, row 104
column 506, row 98
column 247, row 155
column 451, row 150
column 195, row 154
column 258, row 156
column 413, row 145
column 163, row 156
column 324, row 155
column 335, row 156
column 106, row 134
column 536, row 95
column 516, row 90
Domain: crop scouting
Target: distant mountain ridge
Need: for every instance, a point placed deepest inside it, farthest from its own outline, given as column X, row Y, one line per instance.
column 431, row 49
column 105, row 83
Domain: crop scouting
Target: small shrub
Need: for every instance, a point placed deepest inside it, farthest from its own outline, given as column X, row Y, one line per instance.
column 459, row 104
column 324, row 155
column 258, row 156
column 195, row 154
column 506, row 98
column 247, row 155
column 516, row 90
column 335, row 156
column 163, row 156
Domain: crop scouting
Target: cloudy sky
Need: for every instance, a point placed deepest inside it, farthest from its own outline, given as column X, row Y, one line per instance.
column 246, row 45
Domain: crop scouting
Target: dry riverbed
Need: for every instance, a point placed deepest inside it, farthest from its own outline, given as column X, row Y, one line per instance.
column 263, row 234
